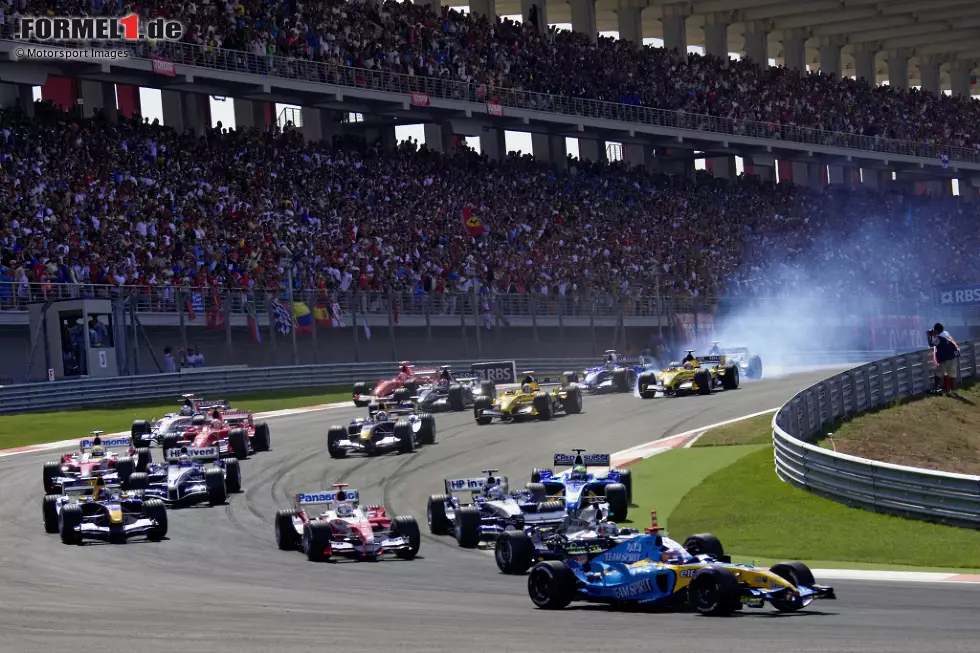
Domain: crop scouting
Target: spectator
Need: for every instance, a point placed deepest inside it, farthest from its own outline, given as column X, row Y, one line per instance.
column 947, row 354
column 194, row 357
column 169, row 364
column 98, row 334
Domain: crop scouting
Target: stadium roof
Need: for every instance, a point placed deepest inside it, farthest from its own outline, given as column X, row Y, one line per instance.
column 947, row 30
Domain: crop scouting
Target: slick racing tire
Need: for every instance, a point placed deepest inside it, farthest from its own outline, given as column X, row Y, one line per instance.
column 754, row 370
column 124, row 469
column 704, row 544
column 238, row 443
column 157, row 511
column 456, row 398
column 52, row 471
column 568, row 378
column 797, row 574
column 626, row 478
column 538, row 492
column 405, row 435
column 542, row 405
column 427, row 432
column 406, row 526
column 69, row 519
column 488, row 389
column 536, row 474
column 572, row 403
column 137, row 481
column 646, row 383
column 702, row 379
column 551, row 585
column 479, row 405
column 714, row 591
column 233, row 476
column 262, row 440
column 402, row 394
column 168, row 443
column 412, row 386
column 468, row 526
column 616, row 496
column 49, row 510
column 729, row 381
column 140, row 433
column 335, row 436
column 624, row 380
column 143, row 459
column 316, row 539
column 214, row 481
column 435, row 514
column 287, row 539
column 514, row 552
column 363, row 390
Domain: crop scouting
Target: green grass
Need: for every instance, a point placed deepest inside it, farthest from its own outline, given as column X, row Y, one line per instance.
column 756, row 430
column 660, row 482
column 38, row 428
column 755, row 514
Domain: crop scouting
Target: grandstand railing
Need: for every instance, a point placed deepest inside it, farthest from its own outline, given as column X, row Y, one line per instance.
column 858, row 482
column 163, row 299
column 316, row 72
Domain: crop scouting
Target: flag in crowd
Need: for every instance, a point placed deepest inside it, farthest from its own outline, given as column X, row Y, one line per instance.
column 194, row 305
column 253, row 322
column 474, row 226
column 487, row 315
column 945, row 159
column 304, row 318
column 216, row 316
column 284, row 321
column 367, row 329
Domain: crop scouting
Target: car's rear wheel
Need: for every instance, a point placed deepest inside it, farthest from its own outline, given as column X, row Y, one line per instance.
column 618, row 502
column 514, row 552
column 362, row 390
column 456, row 398
column 704, row 544
column 52, row 471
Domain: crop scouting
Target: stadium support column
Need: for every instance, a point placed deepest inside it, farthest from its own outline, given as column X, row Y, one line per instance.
column 17, row 95
column 629, row 18
column 438, row 136
column 550, row 148
column 959, row 74
column 99, row 96
column 493, row 144
column 830, row 47
column 929, row 73
column 318, row 124
column 716, row 34
column 675, row 28
column 794, row 49
column 635, row 154
column 486, row 8
column 540, row 10
column 583, row 18
column 186, row 111
column 757, row 42
column 864, row 63
column 249, row 114
column 898, row 68
column 591, row 150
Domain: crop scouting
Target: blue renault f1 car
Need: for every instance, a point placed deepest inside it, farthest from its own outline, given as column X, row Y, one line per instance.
column 618, row 373
column 580, row 487
column 654, row 570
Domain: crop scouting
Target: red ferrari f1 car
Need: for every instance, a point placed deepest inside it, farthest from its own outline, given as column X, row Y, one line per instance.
column 401, row 387
column 232, row 431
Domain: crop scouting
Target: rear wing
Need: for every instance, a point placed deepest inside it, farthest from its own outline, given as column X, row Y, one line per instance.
column 472, row 484
column 587, row 459
column 231, row 416
column 710, row 359
column 108, row 443
column 324, row 497
column 196, row 453
column 86, row 487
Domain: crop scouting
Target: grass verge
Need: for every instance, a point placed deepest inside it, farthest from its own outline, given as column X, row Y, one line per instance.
column 755, row 514
column 939, row 433
column 755, row 430
column 38, row 428
column 660, row 482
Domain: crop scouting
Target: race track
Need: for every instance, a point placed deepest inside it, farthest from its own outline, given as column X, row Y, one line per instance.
column 220, row 584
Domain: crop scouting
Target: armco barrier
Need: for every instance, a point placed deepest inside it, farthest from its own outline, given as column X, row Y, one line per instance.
column 69, row 395
column 880, row 487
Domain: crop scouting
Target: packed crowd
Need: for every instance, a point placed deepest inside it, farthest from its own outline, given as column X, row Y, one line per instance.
column 136, row 204
column 410, row 39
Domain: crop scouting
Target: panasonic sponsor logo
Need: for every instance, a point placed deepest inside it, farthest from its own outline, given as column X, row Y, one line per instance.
column 633, row 589
column 107, row 442
column 324, row 497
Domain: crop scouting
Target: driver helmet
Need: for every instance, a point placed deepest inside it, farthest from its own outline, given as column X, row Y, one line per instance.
column 495, row 494
column 404, row 370
column 609, row 529
column 101, row 494
column 526, row 388
column 215, row 414
column 444, row 374
column 345, row 510
column 580, row 473
column 443, row 382
column 97, row 452
column 381, row 416
column 184, row 459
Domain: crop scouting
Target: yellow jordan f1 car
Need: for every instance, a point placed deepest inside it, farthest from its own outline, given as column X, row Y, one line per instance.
column 530, row 401
column 693, row 376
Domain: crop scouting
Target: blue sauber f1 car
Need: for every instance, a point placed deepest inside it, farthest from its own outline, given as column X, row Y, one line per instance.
column 653, row 570
column 618, row 373
column 580, row 487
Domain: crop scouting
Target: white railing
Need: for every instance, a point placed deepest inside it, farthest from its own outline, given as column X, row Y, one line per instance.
column 880, row 487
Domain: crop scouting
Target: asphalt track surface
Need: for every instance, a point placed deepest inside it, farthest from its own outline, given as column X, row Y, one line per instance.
column 218, row 583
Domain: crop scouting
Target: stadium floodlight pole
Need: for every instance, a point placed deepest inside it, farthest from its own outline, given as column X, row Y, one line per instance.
column 286, row 260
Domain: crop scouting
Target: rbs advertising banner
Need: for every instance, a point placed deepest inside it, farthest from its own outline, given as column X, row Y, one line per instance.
column 958, row 295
